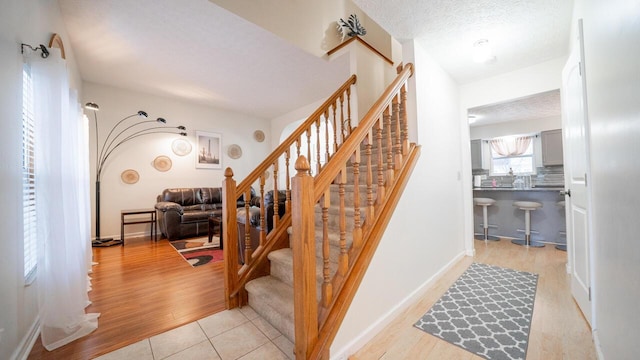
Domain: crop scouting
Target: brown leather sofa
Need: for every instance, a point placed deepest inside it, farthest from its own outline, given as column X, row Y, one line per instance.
column 185, row 212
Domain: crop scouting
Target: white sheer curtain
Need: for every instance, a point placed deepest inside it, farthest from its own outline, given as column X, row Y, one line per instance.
column 62, row 193
column 511, row 146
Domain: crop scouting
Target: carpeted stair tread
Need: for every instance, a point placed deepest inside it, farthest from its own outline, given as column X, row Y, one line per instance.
column 282, row 268
column 273, row 300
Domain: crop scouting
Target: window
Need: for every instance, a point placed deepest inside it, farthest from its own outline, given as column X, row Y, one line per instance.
column 512, row 153
column 28, row 177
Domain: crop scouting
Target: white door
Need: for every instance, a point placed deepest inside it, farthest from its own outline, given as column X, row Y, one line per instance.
column 576, row 169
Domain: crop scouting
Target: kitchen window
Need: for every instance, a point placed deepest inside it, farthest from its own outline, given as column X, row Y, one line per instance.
column 512, row 153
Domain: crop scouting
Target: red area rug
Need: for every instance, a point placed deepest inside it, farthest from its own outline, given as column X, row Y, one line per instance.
column 198, row 251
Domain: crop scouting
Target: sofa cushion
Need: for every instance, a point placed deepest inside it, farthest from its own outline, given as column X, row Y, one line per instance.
column 254, row 216
column 211, row 195
column 195, row 216
column 269, row 198
column 182, row 196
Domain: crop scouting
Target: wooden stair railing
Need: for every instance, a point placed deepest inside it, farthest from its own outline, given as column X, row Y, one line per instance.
column 330, row 126
column 387, row 162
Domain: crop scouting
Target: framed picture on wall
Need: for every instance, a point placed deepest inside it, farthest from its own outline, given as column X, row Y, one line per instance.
column 209, row 146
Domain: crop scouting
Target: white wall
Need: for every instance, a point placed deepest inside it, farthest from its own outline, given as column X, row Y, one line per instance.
column 425, row 232
column 31, row 22
column 139, row 153
column 311, row 25
column 612, row 35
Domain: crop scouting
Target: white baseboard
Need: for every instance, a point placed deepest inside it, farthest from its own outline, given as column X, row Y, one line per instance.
column 598, row 346
column 25, row 346
column 369, row 333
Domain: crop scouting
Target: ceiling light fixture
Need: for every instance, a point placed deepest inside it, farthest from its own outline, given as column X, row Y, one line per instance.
column 482, row 51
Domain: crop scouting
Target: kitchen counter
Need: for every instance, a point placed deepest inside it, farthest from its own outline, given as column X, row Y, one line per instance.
column 506, row 220
column 498, row 188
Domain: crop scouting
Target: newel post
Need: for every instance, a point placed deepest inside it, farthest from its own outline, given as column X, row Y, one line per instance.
column 304, row 261
column 230, row 238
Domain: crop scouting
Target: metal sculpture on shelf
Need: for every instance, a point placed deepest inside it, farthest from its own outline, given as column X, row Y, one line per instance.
column 351, row 27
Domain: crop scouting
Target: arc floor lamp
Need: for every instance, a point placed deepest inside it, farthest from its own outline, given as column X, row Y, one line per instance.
column 122, row 132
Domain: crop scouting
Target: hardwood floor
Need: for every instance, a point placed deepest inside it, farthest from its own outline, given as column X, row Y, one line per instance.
column 558, row 329
column 140, row 290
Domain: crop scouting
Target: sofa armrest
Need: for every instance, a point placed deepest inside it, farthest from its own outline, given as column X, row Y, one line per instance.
column 165, row 206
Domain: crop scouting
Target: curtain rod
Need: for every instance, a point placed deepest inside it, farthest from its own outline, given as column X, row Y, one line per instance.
column 45, row 52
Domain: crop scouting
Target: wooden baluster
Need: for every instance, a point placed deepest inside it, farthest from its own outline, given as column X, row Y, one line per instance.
column 287, row 202
column 397, row 146
column 349, row 109
column 305, row 304
column 298, row 144
column 276, row 212
column 343, row 259
column 230, row 238
column 342, row 124
column 326, row 135
column 263, row 215
column 357, row 227
column 327, row 288
column 369, row 172
column 318, row 146
column 335, row 128
column 380, row 190
column 403, row 116
column 309, row 145
column 387, row 125
column 248, row 251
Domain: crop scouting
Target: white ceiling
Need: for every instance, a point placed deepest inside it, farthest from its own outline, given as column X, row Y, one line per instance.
column 521, row 32
column 538, row 106
column 197, row 51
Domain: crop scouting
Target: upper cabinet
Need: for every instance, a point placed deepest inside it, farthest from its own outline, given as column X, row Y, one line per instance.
column 476, row 154
column 552, row 147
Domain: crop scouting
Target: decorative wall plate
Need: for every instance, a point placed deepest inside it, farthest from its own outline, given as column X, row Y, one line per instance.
column 266, row 174
column 181, row 147
column 130, row 176
column 234, row 151
column 162, row 163
column 258, row 135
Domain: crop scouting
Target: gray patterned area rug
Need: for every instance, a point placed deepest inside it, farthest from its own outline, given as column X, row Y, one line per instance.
column 487, row 311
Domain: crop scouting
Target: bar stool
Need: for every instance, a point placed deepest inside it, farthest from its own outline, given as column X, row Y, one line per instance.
column 485, row 202
column 527, row 206
column 562, row 247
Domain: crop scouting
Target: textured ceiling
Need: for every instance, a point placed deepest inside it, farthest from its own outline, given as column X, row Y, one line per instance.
column 538, row 106
column 522, row 32
column 196, row 51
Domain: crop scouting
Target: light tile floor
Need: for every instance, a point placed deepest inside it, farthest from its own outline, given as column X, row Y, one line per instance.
column 228, row 335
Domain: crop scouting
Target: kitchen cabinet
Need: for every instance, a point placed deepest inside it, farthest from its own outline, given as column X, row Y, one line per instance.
column 476, row 154
column 552, row 147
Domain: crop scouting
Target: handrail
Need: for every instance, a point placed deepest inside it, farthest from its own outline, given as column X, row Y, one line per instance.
column 327, row 176
column 384, row 128
column 333, row 109
column 286, row 144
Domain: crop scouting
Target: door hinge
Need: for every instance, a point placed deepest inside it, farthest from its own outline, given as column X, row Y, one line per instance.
column 589, row 293
column 585, row 179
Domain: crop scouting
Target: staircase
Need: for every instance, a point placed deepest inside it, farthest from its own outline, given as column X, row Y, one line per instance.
column 306, row 271
column 272, row 296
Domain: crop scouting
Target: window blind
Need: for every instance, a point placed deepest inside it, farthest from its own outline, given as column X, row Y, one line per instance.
column 28, row 177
